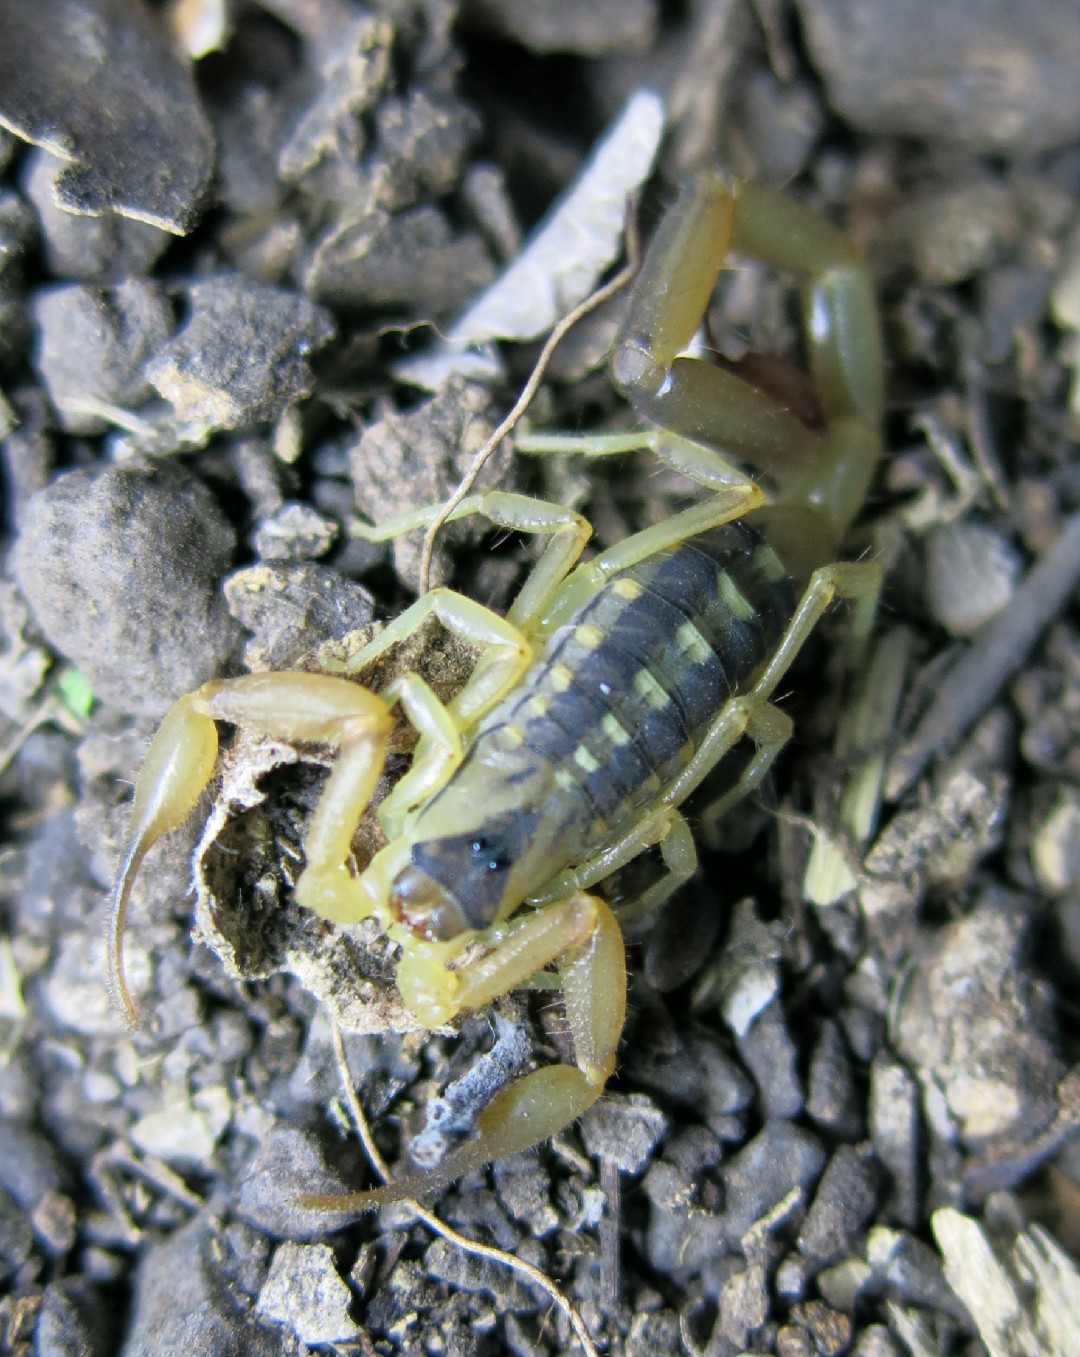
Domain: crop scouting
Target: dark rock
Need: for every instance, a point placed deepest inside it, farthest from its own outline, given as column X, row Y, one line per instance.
column 242, row 355
column 294, row 609
column 93, row 345
column 353, row 65
column 447, row 1263
column 27, row 451
column 100, row 82
column 107, row 248
column 656, row 1331
column 584, row 27
column 844, row 1202
column 895, row 1127
column 524, row 1189
column 834, row 1102
column 769, row 1053
column 404, row 461
column 182, row 1307
column 16, row 238
column 73, row 1321
column 991, row 75
column 408, row 259
column 290, row 1162
column 29, row 1166
column 422, row 143
column 779, row 1158
column 121, row 569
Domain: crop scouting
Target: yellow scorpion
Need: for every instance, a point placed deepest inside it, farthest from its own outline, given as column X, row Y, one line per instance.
column 607, row 692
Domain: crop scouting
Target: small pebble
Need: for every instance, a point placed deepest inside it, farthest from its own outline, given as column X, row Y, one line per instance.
column 834, row 1102
column 93, row 345
column 771, row 1056
column 971, row 572
column 305, row 1293
column 844, row 1202
column 991, row 76
column 181, row 1307
column 781, row 1157
column 895, row 1131
column 1055, row 845
column 107, row 248
column 295, row 532
column 242, row 356
column 624, row 1129
column 74, row 1321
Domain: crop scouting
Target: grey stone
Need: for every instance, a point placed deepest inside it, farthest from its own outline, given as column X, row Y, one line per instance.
column 305, row 1294
column 242, row 356
column 624, row 1129
column 844, row 1202
column 100, row 82
column 181, row 1307
column 121, row 567
column 93, row 345
column 990, row 75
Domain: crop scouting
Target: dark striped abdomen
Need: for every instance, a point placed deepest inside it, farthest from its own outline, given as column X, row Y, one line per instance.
column 623, row 694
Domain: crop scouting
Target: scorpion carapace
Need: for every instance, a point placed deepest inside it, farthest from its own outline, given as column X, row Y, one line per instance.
column 605, row 695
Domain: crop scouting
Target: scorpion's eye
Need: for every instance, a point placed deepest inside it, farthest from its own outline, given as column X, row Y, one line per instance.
column 496, row 860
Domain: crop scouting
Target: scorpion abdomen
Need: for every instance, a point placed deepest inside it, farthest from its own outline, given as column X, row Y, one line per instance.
column 622, row 694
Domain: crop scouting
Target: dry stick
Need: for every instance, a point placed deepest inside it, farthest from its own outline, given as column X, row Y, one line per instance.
column 591, row 302
column 996, row 652
column 432, row 1221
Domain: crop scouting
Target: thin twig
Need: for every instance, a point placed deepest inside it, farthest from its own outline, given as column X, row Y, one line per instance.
column 528, row 391
column 432, row 1221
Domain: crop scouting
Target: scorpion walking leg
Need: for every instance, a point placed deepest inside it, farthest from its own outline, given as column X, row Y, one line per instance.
column 679, row 852
column 180, row 763
column 438, row 750
column 568, row 532
column 504, row 652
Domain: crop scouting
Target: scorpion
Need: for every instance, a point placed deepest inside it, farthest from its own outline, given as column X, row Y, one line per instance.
column 607, row 692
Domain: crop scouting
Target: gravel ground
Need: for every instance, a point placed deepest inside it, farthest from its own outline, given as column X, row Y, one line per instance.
column 843, row 1116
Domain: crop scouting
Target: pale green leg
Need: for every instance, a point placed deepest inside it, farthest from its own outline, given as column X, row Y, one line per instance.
column 504, row 652
column 846, row 579
column 438, row 750
column 704, row 465
column 651, row 829
column 568, row 531
column 731, row 503
column 679, row 853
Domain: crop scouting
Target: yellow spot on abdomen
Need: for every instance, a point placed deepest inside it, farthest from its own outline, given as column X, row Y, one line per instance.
column 588, row 636
column 614, row 730
column 768, row 563
column 585, row 760
column 627, row 588
column 741, row 607
column 561, row 677
column 647, row 688
column 691, row 642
